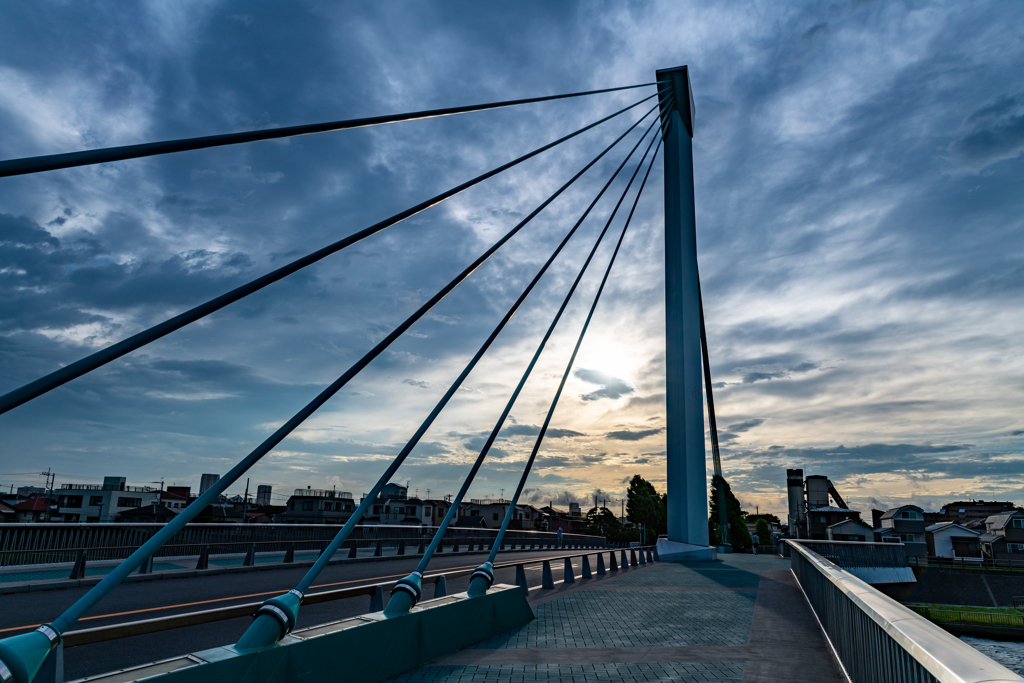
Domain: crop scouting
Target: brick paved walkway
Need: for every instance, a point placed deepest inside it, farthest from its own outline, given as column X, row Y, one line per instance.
column 742, row 619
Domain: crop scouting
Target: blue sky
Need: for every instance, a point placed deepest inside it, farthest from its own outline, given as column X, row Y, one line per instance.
column 858, row 172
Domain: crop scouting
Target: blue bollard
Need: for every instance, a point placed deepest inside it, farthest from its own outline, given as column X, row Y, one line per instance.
column 78, row 571
column 545, row 580
column 611, row 562
column 147, row 566
column 441, row 587
column 204, row 558
column 250, row 556
column 377, row 600
column 455, row 548
column 569, row 578
column 600, row 564
column 401, row 547
column 379, row 550
column 521, row 579
column 586, row 567
column 632, row 558
column 650, row 557
column 643, row 560
column 623, row 560
column 289, row 555
column 421, row 549
column 657, row 558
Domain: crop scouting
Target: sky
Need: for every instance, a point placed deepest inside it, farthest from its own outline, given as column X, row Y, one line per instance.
column 858, row 171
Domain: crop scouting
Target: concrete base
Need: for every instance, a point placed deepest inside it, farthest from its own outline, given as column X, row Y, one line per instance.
column 362, row 649
column 673, row 551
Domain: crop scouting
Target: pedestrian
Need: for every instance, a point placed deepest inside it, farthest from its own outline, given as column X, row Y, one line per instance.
column 755, row 539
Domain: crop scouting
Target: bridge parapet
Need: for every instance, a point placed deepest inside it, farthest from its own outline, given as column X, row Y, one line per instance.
column 874, row 636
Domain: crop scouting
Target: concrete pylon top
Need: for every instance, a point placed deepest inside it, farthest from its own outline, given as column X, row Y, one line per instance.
column 679, row 78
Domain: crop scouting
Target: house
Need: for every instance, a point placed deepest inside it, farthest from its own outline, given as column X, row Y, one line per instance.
column 7, row 512
column 35, row 509
column 904, row 524
column 174, row 501
column 949, row 539
column 470, row 522
column 102, row 502
column 149, row 513
column 406, row 511
column 850, row 530
column 1004, row 536
column 966, row 512
column 493, row 511
column 821, row 518
column 316, row 506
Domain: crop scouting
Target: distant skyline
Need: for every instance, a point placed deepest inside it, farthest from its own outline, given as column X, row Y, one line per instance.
column 860, row 235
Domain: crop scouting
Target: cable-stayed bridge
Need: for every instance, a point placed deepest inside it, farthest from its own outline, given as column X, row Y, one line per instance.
column 695, row 613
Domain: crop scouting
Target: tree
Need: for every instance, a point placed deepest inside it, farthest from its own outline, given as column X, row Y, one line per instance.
column 763, row 531
column 644, row 505
column 602, row 522
column 739, row 535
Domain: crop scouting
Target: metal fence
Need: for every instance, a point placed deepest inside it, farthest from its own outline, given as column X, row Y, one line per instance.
column 26, row 544
column 878, row 640
column 952, row 616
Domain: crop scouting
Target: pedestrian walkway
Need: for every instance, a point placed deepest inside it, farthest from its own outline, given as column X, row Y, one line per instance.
column 740, row 619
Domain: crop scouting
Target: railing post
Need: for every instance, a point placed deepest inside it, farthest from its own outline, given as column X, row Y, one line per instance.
column 250, row 556
column 568, row 575
column 586, row 567
column 632, row 557
column 379, row 550
column 521, row 579
column 441, row 587
column 600, row 564
column 204, row 558
column 401, row 547
column 623, row 560
column 377, row 600
column 546, row 580
column 289, row 555
column 147, row 566
column 78, row 571
column 612, row 566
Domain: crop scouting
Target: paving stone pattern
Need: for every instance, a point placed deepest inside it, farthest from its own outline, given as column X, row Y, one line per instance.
column 577, row 673
column 674, row 575
column 640, row 618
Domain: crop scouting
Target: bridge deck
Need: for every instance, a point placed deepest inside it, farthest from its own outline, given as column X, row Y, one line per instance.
column 740, row 619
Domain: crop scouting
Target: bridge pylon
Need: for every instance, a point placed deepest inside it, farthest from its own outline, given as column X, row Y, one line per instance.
column 686, row 461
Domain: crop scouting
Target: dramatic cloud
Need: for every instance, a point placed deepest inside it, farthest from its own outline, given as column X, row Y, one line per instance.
column 611, row 387
column 860, row 232
column 627, row 435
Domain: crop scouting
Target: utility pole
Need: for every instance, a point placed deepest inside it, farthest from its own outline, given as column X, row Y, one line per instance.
column 245, row 501
column 48, row 488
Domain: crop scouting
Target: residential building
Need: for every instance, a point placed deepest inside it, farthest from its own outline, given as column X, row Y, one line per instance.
column 7, row 512
column 949, row 539
column 849, row 530
column 904, row 524
column 407, row 511
column 183, row 492
column 149, row 514
column 263, row 493
column 966, row 512
column 1004, row 536
column 102, row 502
column 206, row 481
column 36, row 509
column 493, row 511
column 173, row 501
column 316, row 506
column 819, row 519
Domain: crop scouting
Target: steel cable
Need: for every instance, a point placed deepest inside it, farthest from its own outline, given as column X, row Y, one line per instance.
column 82, row 366
column 86, row 602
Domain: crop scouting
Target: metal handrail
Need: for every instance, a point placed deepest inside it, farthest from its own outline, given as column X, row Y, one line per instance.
column 133, row 628
column 873, row 635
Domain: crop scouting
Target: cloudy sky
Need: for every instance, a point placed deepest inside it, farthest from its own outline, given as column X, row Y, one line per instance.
column 859, row 212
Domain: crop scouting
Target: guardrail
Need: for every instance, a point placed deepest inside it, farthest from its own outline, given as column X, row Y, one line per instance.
column 954, row 616
column 966, row 562
column 878, row 640
column 38, row 543
column 374, row 590
column 205, row 552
